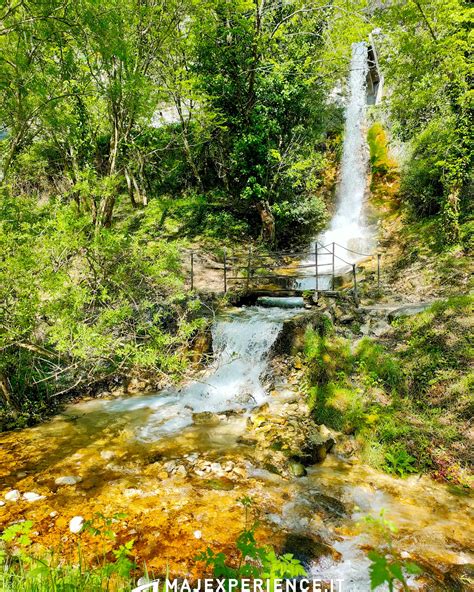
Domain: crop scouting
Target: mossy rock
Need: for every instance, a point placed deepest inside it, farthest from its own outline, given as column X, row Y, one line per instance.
column 223, row 484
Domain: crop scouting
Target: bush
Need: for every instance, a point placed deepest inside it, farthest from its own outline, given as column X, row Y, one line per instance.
column 422, row 177
column 80, row 304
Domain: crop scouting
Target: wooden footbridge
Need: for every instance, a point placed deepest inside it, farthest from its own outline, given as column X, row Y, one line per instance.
column 320, row 270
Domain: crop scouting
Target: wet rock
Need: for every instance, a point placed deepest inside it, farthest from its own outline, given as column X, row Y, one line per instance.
column 223, row 484
column 170, row 466
column 197, row 534
column 206, row 418
column 68, row 480
column 107, row 454
column 291, row 337
column 330, row 506
column 245, row 399
column 180, row 471
column 32, row 496
column 202, row 345
column 228, row 466
column 2, row 503
column 240, row 472
column 216, row 467
column 132, row 492
column 319, row 442
column 297, row 469
column 12, row 496
column 76, row 524
column 308, row 549
column 247, row 440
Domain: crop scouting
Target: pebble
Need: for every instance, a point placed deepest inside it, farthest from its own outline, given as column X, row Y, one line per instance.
column 181, row 470
column 197, row 534
column 132, row 492
column 170, row 465
column 76, row 524
column 12, row 496
column 31, row 496
column 107, row 454
column 53, row 514
column 2, row 503
column 68, row 480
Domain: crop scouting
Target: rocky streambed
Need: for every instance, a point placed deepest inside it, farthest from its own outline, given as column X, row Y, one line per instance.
column 177, row 464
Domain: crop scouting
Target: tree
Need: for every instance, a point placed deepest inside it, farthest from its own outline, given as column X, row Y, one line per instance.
column 427, row 65
column 261, row 78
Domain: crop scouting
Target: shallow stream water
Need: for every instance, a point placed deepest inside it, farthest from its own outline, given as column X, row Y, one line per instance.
column 176, row 463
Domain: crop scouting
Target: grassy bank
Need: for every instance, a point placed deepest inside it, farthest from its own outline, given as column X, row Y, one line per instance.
column 407, row 397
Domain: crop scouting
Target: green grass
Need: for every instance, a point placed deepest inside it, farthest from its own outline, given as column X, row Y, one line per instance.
column 408, row 400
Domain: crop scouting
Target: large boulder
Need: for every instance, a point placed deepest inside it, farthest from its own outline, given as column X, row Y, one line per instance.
column 291, row 337
column 286, row 444
column 408, row 310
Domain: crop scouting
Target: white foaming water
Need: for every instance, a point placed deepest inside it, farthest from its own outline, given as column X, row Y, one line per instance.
column 241, row 343
column 348, row 227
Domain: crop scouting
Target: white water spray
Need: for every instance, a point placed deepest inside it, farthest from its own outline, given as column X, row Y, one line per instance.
column 348, row 226
column 241, row 344
column 348, row 229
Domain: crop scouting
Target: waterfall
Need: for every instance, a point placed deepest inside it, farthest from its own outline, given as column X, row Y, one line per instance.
column 348, row 227
column 241, row 343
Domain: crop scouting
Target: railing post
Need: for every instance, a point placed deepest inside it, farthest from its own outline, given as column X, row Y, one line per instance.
column 354, row 274
column 333, row 265
column 249, row 264
column 316, row 268
column 192, row 271
column 379, row 256
column 225, row 270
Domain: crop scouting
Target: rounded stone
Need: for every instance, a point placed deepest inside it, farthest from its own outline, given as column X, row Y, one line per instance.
column 76, row 524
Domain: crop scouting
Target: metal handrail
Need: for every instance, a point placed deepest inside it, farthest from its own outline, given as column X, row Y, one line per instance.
column 253, row 263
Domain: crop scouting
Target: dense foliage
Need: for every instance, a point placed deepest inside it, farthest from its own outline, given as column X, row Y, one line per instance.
column 426, row 50
column 117, row 117
column 79, row 307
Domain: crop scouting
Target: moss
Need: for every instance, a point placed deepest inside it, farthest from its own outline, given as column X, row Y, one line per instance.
column 380, row 160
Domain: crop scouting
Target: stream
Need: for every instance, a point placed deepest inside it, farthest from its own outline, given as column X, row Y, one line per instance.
column 176, row 462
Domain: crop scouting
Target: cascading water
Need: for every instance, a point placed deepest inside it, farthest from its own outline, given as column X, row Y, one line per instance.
column 241, row 343
column 348, row 228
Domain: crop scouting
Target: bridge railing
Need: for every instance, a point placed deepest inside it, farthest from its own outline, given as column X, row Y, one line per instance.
column 322, row 263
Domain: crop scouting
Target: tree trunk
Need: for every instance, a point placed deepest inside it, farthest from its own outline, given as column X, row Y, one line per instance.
column 5, row 394
column 268, row 222
column 451, row 213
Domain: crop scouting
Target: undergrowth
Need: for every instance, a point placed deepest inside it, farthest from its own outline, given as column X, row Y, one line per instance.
column 408, row 400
